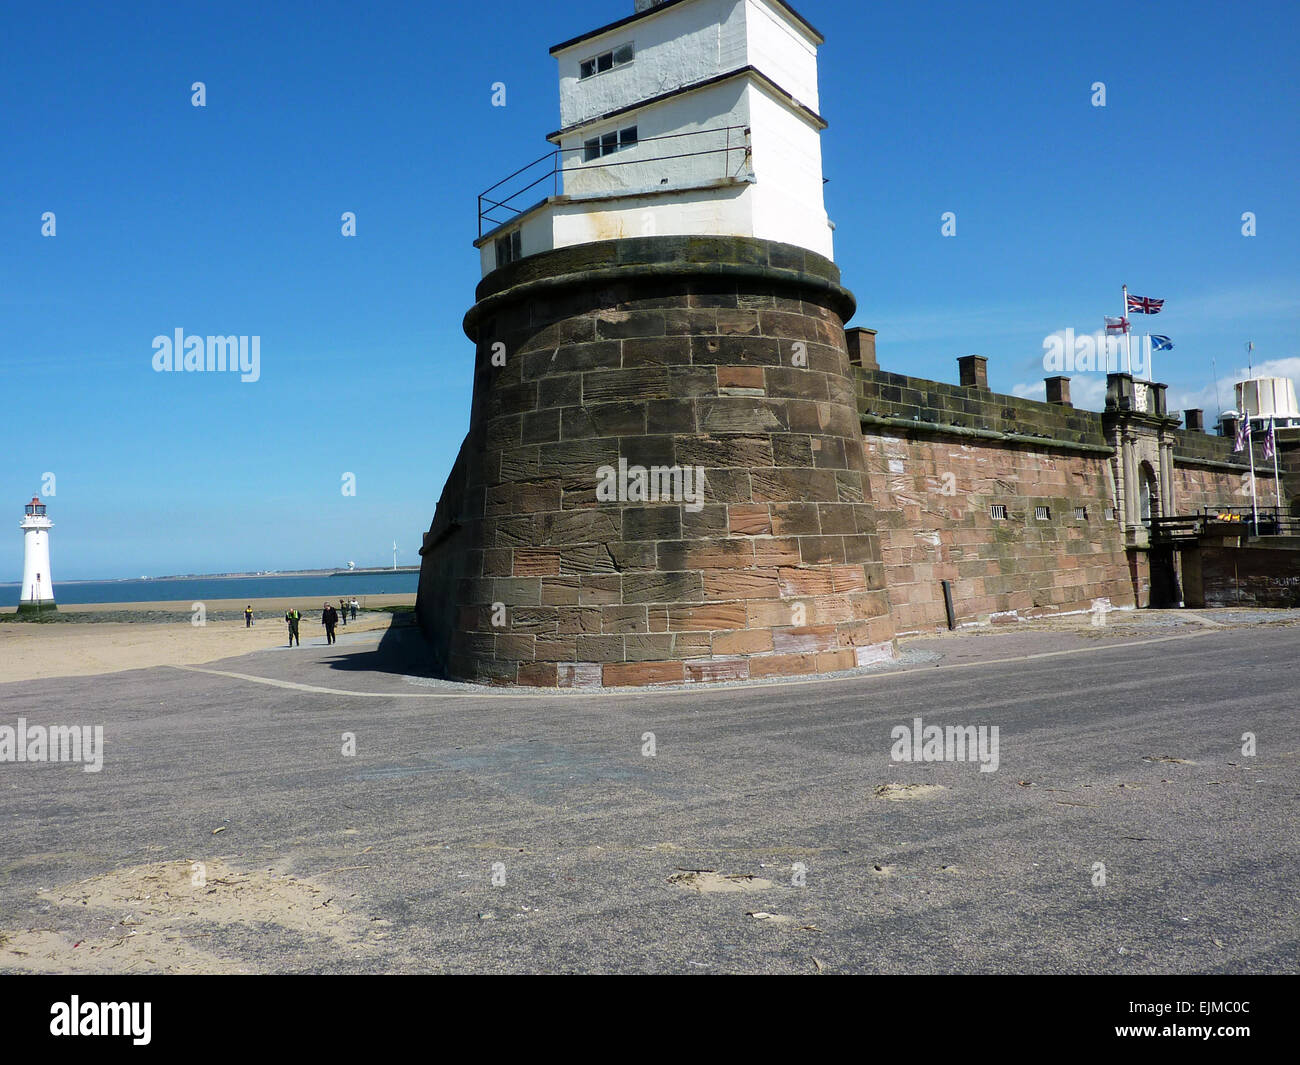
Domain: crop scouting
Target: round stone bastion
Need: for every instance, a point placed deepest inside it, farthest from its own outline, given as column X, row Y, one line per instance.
column 664, row 478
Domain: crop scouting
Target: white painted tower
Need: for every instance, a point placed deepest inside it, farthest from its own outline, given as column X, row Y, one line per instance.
column 686, row 118
column 38, row 588
column 1268, row 398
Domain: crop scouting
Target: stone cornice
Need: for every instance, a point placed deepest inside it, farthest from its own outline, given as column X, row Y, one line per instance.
column 679, row 258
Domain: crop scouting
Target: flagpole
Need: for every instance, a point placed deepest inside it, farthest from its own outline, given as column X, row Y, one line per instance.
column 1128, row 339
column 1250, row 450
column 1277, row 480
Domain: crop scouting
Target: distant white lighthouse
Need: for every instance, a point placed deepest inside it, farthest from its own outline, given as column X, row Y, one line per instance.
column 38, row 588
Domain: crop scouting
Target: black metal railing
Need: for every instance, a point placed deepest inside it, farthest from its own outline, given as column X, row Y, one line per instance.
column 1251, row 521
column 498, row 205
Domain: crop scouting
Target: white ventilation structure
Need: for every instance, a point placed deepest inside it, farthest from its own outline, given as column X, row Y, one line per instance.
column 1263, row 398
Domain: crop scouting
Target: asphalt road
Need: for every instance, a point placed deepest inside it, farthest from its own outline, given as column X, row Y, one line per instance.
column 994, row 873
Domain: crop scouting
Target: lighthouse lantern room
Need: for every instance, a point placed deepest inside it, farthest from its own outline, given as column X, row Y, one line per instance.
column 686, row 118
column 37, row 592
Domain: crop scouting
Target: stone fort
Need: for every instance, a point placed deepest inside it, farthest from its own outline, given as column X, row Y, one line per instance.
column 660, row 291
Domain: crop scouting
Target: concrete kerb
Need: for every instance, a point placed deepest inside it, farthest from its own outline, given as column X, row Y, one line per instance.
column 527, row 692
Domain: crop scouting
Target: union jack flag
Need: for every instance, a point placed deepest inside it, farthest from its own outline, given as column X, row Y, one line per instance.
column 1116, row 325
column 1144, row 305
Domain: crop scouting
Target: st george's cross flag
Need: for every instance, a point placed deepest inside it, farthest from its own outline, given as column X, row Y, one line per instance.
column 1144, row 305
column 1269, row 444
column 1116, row 325
column 1243, row 434
column 1161, row 343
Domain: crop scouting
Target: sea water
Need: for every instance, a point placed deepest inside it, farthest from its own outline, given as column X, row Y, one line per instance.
column 206, row 589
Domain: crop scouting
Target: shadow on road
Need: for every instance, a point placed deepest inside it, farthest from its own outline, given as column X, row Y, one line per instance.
column 401, row 650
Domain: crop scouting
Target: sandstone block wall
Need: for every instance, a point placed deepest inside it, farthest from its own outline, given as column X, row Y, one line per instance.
column 1198, row 486
column 893, row 395
column 1222, row 576
column 1208, row 473
column 1024, row 565
column 941, row 456
column 726, row 355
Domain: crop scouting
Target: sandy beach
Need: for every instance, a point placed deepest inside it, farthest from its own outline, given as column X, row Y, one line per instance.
column 141, row 635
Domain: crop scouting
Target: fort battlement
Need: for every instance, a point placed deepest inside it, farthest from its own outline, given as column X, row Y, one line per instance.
column 723, row 353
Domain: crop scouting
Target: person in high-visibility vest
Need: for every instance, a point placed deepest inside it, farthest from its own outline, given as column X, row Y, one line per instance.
column 293, row 617
column 248, row 616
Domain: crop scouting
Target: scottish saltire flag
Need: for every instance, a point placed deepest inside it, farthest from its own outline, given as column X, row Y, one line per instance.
column 1159, row 343
column 1144, row 305
column 1243, row 434
column 1116, row 325
column 1269, row 444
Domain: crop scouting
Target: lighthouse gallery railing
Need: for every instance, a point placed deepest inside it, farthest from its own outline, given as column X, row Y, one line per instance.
column 496, row 207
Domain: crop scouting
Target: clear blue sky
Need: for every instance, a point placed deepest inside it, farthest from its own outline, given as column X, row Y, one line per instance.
column 225, row 220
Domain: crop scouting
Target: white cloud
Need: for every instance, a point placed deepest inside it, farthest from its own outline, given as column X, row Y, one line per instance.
column 1087, row 387
column 1087, row 391
column 1209, row 398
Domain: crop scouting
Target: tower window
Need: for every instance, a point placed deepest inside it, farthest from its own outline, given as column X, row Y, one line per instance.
column 998, row 512
column 608, row 143
column 1080, row 513
column 509, row 248
column 1043, row 513
column 598, row 64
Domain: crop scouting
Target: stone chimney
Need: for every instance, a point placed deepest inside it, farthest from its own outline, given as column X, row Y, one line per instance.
column 1157, row 398
column 974, row 370
column 862, row 347
column 1194, row 420
column 1058, row 391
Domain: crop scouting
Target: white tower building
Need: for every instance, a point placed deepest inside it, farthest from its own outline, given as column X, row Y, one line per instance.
column 1265, row 398
column 38, row 588
column 686, row 118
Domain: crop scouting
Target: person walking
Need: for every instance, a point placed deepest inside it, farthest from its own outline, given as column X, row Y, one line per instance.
column 248, row 616
column 353, row 604
column 343, row 611
column 329, row 618
column 292, row 617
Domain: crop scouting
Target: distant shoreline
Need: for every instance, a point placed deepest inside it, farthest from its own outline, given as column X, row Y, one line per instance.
column 369, row 571
column 230, row 609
